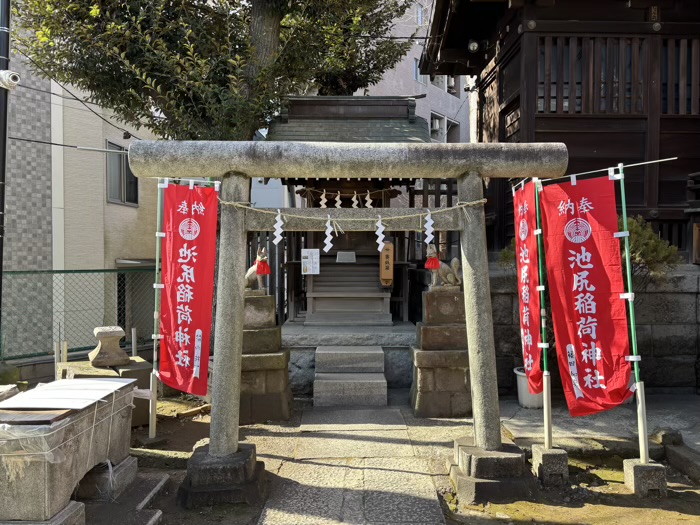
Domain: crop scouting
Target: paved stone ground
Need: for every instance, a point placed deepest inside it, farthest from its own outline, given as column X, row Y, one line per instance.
column 358, row 466
column 615, row 430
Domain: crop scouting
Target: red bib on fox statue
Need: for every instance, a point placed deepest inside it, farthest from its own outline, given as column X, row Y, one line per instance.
column 433, row 263
column 262, row 268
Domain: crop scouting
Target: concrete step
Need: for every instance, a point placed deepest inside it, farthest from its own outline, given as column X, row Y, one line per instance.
column 349, row 390
column 131, row 506
column 349, row 359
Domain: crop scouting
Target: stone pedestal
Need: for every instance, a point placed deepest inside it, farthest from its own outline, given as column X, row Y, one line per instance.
column 210, row 480
column 107, row 352
column 440, row 385
column 265, row 391
column 551, row 466
column 136, row 368
column 645, row 479
column 499, row 476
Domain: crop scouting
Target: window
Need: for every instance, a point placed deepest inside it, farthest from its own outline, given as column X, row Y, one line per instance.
column 419, row 15
column 423, row 79
column 438, row 130
column 122, row 185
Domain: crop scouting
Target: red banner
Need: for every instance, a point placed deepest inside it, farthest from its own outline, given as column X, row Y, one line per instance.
column 584, row 270
column 526, row 258
column 189, row 251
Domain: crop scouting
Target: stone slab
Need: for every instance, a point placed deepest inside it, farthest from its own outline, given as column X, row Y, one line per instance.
column 441, row 337
column 262, row 340
column 442, row 307
column 273, row 361
column 382, row 491
column 684, row 459
column 259, row 408
column 328, row 419
column 350, row 390
column 237, row 478
column 551, row 466
column 349, row 359
column 440, row 359
column 675, row 339
column 440, row 404
column 645, row 479
column 101, row 483
column 508, row 462
column 358, row 444
column 473, row 491
column 82, row 370
column 259, row 312
column 400, row 490
column 141, row 370
column 72, row 514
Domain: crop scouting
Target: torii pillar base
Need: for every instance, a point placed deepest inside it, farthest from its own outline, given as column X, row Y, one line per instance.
column 498, row 476
column 210, row 480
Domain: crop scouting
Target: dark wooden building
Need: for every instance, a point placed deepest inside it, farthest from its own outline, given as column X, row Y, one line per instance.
column 616, row 80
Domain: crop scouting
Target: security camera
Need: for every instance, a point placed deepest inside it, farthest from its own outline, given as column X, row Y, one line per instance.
column 9, row 79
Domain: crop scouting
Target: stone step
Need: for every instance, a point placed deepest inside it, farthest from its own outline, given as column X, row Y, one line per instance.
column 349, row 390
column 347, row 318
column 349, row 359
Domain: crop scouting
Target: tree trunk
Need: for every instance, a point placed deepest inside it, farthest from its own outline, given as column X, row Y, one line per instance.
column 265, row 25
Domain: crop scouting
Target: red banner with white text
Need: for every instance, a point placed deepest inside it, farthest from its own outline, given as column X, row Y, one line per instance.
column 189, row 250
column 586, row 287
column 526, row 258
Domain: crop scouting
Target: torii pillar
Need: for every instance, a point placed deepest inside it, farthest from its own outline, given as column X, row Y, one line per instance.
column 226, row 471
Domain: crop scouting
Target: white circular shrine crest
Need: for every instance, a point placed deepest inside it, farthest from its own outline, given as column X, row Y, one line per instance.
column 523, row 229
column 578, row 230
column 189, row 229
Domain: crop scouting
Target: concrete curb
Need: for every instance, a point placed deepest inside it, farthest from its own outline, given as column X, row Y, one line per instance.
column 684, row 459
column 162, row 459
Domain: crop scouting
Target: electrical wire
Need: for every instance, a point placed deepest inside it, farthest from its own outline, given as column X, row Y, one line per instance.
column 83, row 148
column 73, row 95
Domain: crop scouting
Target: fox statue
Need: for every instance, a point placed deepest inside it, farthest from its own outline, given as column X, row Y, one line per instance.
column 251, row 276
column 449, row 275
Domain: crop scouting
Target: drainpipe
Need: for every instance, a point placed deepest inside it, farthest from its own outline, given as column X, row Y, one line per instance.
column 4, row 99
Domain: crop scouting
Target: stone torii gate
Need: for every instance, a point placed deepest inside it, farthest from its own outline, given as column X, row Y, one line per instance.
column 226, row 471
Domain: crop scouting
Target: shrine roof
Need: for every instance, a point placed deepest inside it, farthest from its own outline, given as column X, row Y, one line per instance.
column 350, row 119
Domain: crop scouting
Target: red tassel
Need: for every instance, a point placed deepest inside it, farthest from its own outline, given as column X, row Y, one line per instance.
column 433, row 263
column 262, row 268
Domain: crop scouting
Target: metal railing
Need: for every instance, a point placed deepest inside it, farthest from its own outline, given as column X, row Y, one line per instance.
column 40, row 308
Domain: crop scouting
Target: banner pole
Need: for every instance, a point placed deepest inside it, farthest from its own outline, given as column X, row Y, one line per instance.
column 546, row 376
column 641, row 401
column 153, row 402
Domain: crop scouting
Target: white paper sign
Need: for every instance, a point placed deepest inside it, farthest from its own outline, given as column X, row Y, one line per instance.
column 310, row 261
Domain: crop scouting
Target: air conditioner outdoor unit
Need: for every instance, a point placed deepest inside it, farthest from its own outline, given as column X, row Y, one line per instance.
column 450, row 82
column 435, row 124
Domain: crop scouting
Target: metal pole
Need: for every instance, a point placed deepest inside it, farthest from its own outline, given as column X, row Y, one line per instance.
column 134, row 344
column 641, row 402
column 546, row 377
column 4, row 106
column 56, row 358
column 153, row 402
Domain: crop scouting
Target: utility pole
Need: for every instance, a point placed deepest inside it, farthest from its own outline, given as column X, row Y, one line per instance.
column 9, row 80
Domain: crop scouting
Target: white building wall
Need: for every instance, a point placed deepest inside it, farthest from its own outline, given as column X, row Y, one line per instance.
column 402, row 81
